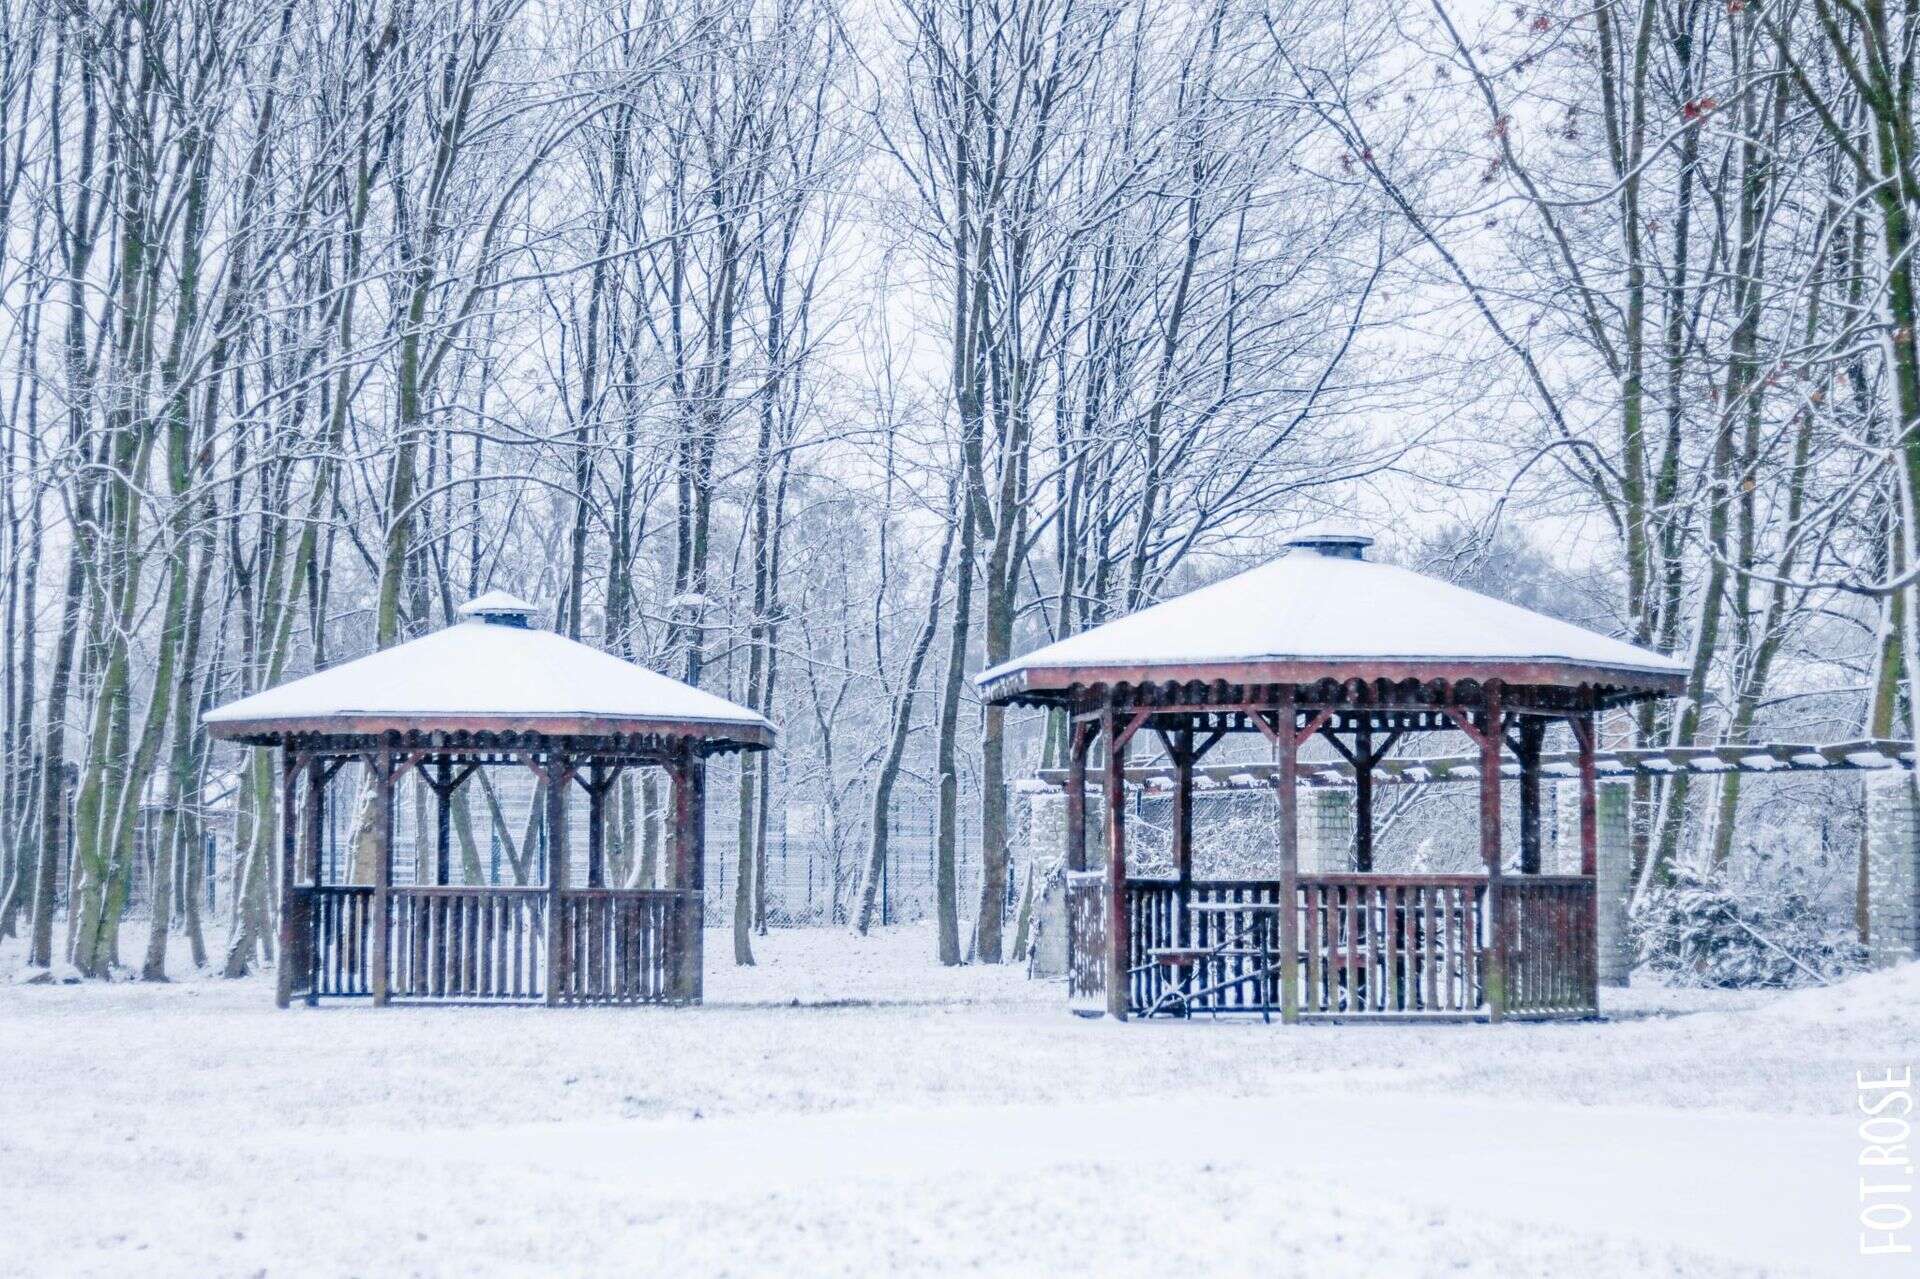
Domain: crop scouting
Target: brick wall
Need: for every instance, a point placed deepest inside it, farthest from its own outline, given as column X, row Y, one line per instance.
column 1326, row 829
column 1614, row 863
column 1893, row 864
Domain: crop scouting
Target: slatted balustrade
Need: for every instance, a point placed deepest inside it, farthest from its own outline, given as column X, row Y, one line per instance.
column 616, row 943
column 465, row 944
column 1154, row 918
column 1086, row 941
column 342, row 940
column 1553, row 955
column 468, row 943
column 1407, row 945
column 1371, row 945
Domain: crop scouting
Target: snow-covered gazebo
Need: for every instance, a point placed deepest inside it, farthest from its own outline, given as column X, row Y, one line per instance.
column 491, row 690
column 1323, row 641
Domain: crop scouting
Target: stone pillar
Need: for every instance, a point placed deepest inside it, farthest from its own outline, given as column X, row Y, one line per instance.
column 1614, row 862
column 1326, row 829
column 1893, row 868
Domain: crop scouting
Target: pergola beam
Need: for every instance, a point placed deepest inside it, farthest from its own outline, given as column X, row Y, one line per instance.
column 1863, row 755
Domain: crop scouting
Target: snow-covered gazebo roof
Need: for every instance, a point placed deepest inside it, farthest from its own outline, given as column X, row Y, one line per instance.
column 491, row 673
column 1323, row 611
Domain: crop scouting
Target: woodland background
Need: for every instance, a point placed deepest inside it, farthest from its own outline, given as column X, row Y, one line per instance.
column 824, row 353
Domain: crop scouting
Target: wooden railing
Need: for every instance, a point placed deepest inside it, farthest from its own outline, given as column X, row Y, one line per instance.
column 1155, row 920
column 491, row 944
column 1377, row 944
column 617, row 944
column 468, row 943
column 1086, row 941
column 1368, row 945
column 342, row 939
column 1553, row 952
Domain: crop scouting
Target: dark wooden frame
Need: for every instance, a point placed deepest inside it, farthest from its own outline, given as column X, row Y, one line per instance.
column 1374, row 705
column 595, row 944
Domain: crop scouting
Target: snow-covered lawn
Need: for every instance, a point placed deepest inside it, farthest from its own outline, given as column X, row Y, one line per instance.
column 849, row 1107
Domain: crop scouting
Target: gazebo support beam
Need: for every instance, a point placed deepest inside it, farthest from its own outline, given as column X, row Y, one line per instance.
column 381, row 765
column 1363, row 799
column 443, row 824
column 1286, row 747
column 1286, row 741
column 689, row 873
column 1529, row 736
column 1079, row 742
column 1180, row 748
column 558, row 776
column 1364, row 756
column 1493, row 979
column 599, row 780
column 313, row 821
column 1487, row 731
column 444, row 781
column 1586, row 734
column 1115, row 762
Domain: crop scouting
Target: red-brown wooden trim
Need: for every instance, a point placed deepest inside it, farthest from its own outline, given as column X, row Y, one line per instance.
column 1545, row 672
column 271, row 731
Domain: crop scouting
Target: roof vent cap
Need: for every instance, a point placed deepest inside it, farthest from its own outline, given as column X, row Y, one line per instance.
column 1338, row 543
column 499, row 609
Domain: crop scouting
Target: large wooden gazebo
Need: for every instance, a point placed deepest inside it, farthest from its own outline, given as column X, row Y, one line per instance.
column 1323, row 642
column 489, row 691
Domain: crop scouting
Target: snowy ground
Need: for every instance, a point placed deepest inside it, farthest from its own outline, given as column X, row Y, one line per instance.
column 848, row 1107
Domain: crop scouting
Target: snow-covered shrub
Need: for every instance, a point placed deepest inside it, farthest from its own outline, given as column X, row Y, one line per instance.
column 1738, row 928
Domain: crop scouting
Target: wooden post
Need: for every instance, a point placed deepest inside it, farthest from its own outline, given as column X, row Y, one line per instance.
column 1532, row 731
column 1494, row 962
column 596, row 818
column 1079, row 741
column 1182, row 752
column 443, row 824
column 1363, row 798
column 558, row 780
column 1287, row 746
column 290, row 900
column 381, row 762
column 1118, row 992
column 315, row 815
column 315, row 818
column 689, row 873
column 1586, row 731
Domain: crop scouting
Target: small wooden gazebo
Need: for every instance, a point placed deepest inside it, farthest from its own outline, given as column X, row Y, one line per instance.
column 489, row 691
column 1324, row 642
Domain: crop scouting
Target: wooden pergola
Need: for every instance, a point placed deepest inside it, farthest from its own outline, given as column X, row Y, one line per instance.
column 1323, row 642
column 491, row 691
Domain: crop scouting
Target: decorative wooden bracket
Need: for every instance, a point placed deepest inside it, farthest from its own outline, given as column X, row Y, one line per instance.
column 1481, row 737
column 1125, row 735
column 374, row 762
column 600, row 779
column 449, row 782
column 545, row 770
column 1353, row 757
column 1274, row 734
column 1188, row 755
column 1586, row 732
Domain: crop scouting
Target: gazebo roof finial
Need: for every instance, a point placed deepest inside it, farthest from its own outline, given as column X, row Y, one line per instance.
column 499, row 608
column 1342, row 541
